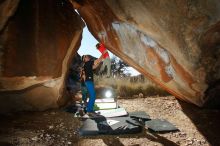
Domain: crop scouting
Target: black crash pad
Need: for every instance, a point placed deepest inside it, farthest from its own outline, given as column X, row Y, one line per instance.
column 109, row 126
column 160, row 125
column 139, row 115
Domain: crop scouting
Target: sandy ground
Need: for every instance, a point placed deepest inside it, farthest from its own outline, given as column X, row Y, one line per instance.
column 198, row 127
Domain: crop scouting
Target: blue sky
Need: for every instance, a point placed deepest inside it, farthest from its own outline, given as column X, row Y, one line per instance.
column 88, row 48
column 88, row 45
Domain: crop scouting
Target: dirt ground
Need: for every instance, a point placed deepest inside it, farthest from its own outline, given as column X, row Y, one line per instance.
column 197, row 127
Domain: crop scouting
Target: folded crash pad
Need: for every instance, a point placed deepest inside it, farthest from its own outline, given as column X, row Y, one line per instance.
column 105, row 100
column 106, row 105
column 112, row 112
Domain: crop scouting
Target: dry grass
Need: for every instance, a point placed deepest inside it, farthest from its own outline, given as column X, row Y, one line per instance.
column 127, row 87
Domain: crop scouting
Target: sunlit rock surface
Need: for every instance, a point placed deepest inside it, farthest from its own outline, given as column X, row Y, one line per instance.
column 36, row 46
column 174, row 43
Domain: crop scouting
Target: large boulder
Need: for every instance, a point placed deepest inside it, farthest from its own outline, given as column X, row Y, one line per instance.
column 38, row 39
column 174, row 43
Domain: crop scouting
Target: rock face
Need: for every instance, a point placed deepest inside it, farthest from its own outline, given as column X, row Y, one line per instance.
column 36, row 46
column 174, row 43
column 7, row 9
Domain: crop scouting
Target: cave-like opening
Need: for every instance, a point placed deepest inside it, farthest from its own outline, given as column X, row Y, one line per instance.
column 38, row 38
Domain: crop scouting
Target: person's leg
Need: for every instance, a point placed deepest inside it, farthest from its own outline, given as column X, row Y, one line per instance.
column 108, row 65
column 92, row 95
column 84, row 94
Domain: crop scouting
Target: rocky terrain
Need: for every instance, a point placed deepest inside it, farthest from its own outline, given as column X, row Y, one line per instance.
column 197, row 127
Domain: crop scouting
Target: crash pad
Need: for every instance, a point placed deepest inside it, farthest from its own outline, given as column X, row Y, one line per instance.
column 109, row 126
column 160, row 125
column 112, row 112
column 105, row 100
column 106, row 105
column 139, row 115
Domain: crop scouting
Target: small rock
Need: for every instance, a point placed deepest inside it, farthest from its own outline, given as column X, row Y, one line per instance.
column 182, row 134
column 51, row 127
column 34, row 138
column 69, row 142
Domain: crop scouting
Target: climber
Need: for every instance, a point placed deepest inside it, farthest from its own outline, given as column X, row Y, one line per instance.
column 89, row 66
